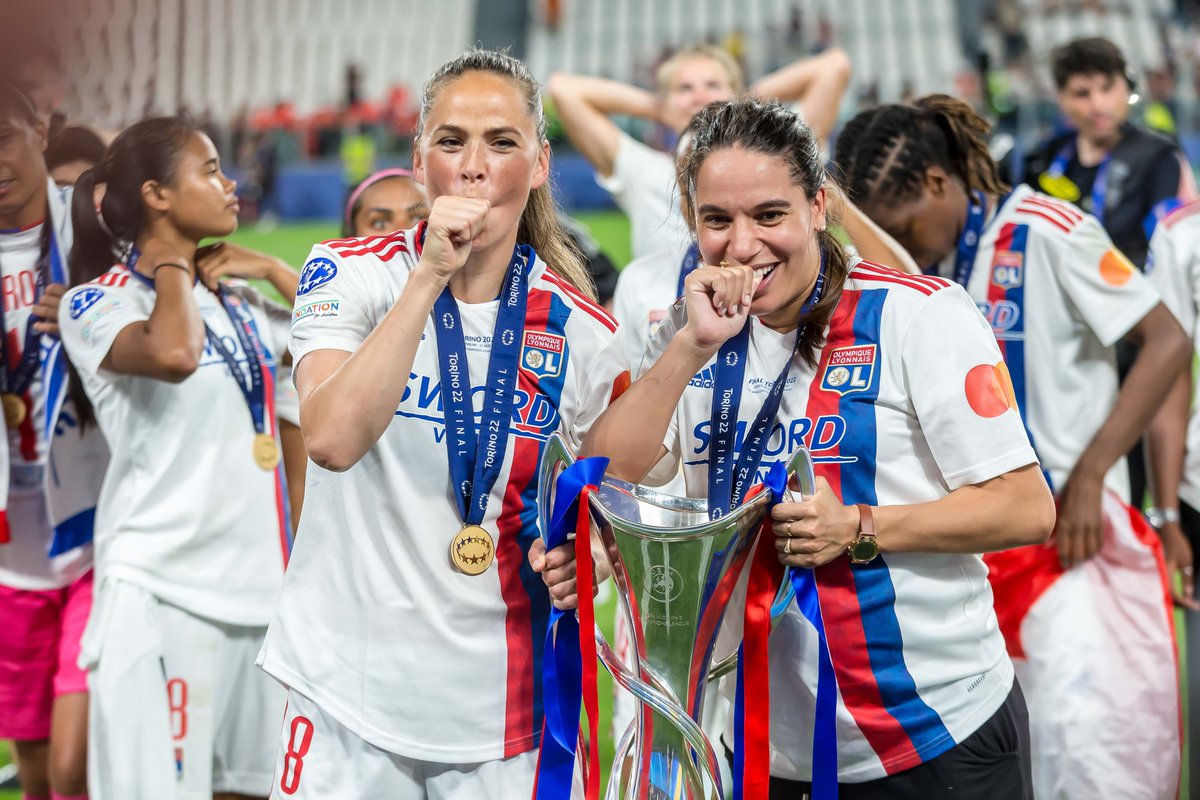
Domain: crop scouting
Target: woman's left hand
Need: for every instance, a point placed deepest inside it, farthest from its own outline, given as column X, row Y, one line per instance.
column 1080, row 529
column 226, row 259
column 45, row 311
column 814, row 531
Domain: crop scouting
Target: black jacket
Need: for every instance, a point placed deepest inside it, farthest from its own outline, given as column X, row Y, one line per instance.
column 1144, row 171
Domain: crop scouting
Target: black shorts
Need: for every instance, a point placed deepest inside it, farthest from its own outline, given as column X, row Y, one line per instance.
column 991, row 764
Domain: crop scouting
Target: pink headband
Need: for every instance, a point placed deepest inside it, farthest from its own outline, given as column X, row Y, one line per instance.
column 368, row 182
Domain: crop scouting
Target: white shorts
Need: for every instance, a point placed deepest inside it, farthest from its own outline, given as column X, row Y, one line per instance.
column 178, row 710
column 320, row 759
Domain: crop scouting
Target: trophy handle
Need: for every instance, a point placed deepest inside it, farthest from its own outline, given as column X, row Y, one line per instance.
column 800, row 469
column 659, row 699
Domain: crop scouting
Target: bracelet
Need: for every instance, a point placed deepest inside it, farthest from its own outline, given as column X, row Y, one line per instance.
column 1157, row 517
column 174, row 264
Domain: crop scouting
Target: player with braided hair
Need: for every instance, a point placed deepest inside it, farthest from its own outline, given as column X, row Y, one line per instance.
column 1058, row 295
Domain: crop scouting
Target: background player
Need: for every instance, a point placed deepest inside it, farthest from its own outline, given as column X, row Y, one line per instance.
column 53, row 475
column 192, row 531
column 1058, row 295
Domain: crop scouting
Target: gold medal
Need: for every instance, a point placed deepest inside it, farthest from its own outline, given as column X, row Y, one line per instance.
column 266, row 452
column 472, row 550
column 14, row 409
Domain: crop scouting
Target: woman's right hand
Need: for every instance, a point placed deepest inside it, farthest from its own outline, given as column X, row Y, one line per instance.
column 155, row 253
column 454, row 222
column 718, row 302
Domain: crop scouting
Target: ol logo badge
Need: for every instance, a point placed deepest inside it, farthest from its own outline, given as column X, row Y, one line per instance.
column 850, row 369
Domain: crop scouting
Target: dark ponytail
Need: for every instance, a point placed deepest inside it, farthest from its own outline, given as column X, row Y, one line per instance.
column 882, row 154
column 146, row 151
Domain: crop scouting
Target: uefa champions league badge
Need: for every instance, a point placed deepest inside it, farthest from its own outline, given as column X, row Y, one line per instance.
column 1008, row 269
column 850, row 369
column 543, row 354
column 317, row 272
column 83, row 300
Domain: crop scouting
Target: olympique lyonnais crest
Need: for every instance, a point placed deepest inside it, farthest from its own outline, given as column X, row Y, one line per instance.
column 1008, row 268
column 542, row 354
column 850, row 369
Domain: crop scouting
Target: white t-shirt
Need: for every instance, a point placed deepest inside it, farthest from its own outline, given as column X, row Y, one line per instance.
column 185, row 512
column 1058, row 295
column 374, row 624
column 24, row 561
column 906, row 405
column 646, row 290
column 643, row 184
column 1173, row 267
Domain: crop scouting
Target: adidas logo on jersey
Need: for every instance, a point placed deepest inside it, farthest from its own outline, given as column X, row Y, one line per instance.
column 705, row 378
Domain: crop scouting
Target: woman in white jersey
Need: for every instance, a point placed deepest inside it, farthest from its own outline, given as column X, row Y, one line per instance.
column 922, row 464
column 642, row 179
column 1173, row 267
column 192, row 533
column 432, row 364
column 1058, row 296
column 45, row 549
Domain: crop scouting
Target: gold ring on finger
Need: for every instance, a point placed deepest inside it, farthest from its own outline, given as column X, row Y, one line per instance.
column 724, row 264
column 787, row 546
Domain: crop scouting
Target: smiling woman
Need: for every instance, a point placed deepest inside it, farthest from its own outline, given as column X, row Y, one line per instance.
column 916, row 473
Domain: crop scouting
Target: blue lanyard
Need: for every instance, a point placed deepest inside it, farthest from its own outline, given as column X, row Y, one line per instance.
column 1058, row 168
column 968, row 241
column 727, row 482
column 475, row 462
column 691, row 261
column 251, row 381
column 16, row 379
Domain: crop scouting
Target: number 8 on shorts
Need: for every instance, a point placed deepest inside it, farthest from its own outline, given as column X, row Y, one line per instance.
column 293, row 758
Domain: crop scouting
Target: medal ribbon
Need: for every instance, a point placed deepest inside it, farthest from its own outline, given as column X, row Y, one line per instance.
column 969, row 239
column 49, row 269
column 727, row 482
column 569, row 664
column 752, row 730
column 475, row 461
column 1058, row 168
column 16, row 378
column 251, row 382
column 691, row 262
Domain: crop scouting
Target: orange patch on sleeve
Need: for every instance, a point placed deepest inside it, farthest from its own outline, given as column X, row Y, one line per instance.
column 989, row 390
column 1115, row 268
column 619, row 386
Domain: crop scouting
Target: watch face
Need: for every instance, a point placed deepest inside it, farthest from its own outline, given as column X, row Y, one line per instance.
column 864, row 550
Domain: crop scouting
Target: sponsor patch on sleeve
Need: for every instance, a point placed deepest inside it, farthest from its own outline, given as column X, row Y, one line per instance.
column 327, row 309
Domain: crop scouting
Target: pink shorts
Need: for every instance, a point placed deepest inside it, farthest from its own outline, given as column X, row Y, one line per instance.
column 39, row 648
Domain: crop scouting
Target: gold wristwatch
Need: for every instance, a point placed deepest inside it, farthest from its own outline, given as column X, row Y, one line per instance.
column 864, row 549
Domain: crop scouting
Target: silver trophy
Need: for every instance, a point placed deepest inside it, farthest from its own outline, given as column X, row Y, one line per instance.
column 674, row 570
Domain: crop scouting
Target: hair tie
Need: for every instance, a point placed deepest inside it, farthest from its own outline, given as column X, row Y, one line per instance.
column 367, row 183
